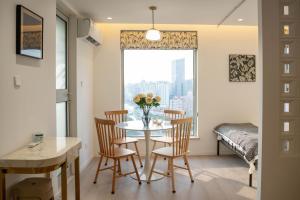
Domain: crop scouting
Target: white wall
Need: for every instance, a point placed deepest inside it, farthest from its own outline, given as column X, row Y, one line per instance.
column 218, row 100
column 85, row 109
column 31, row 107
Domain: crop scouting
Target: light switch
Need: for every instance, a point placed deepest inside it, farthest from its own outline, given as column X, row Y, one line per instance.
column 17, row 81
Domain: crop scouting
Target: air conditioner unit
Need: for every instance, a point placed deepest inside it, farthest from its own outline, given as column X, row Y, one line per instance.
column 88, row 30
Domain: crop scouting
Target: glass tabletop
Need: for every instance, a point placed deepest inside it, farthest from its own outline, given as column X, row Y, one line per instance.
column 139, row 126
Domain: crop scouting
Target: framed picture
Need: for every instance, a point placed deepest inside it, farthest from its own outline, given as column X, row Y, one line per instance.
column 29, row 33
column 242, row 68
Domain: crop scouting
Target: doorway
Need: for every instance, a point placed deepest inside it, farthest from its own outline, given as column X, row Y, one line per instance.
column 62, row 89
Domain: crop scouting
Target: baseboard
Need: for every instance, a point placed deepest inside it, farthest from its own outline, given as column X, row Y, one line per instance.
column 86, row 163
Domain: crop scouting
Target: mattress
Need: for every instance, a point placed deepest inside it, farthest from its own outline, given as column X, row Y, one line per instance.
column 243, row 136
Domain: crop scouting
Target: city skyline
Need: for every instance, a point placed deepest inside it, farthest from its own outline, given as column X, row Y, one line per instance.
column 177, row 94
column 154, row 65
column 172, row 80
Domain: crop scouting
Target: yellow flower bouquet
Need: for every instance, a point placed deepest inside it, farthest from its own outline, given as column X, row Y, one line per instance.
column 146, row 102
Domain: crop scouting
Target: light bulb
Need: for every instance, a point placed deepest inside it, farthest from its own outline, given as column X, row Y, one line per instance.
column 153, row 35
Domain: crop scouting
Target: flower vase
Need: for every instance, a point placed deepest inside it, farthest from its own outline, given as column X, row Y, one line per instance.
column 146, row 119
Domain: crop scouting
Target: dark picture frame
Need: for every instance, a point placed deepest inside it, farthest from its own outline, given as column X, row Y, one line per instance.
column 29, row 33
column 242, row 68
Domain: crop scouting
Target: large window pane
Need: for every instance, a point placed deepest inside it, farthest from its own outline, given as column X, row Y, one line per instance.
column 61, row 119
column 61, row 54
column 167, row 73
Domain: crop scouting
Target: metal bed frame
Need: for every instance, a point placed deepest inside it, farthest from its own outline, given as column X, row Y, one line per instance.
column 234, row 147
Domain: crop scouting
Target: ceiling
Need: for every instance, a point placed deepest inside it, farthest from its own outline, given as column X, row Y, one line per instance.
column 169, row 11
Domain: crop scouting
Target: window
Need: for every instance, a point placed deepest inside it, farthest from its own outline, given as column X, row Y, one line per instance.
column 171, row 74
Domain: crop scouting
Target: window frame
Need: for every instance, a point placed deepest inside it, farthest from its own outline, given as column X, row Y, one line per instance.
column 195, row 84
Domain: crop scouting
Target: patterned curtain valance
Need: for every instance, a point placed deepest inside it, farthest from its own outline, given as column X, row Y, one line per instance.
column 170, row 40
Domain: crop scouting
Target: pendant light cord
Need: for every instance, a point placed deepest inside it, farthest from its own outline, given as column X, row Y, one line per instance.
column 152, row 34
column 152, row 18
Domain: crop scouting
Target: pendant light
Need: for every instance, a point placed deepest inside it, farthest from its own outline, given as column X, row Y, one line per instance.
column 153, row 34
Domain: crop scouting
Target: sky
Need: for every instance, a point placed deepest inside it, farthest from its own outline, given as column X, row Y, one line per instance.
column 154, row 65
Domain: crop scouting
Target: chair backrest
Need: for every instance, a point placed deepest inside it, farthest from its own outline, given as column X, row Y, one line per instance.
column 117, row 116
column 105, row 132
column 174, row 114
column 181, row 131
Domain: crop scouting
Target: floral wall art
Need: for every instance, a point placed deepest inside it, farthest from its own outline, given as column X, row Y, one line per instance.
column 242, row 68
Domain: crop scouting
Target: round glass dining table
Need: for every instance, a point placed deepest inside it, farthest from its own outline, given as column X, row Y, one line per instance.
column 139, row 126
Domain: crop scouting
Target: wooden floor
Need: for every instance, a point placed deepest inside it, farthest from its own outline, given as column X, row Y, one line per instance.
column 216, row 178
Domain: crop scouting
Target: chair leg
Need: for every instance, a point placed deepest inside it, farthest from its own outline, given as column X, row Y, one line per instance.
column 106, row 161
column 152, row 168
column 98, row 169
column 126, row 145
column 153, row 148
column 114, row 176
column 188, row 166
column 166, row 146
column 136, row 171
column 119, row 145
column 185, row 160
column 169, row 168
column 138, row 154
column 218, row 147
column 119, row 167
column 250, row 180
column 172, row 175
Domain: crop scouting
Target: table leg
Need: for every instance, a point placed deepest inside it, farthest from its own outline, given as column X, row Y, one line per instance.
column 77, row 179
column 48, row 175
column 64, row 183
column 2, row 185
column 144, row 175
column 147, row 167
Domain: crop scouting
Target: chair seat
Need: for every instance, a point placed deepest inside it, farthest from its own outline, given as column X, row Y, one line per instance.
column 126, row 140
column 167, row 140
column 122, row 152
column 167, row 152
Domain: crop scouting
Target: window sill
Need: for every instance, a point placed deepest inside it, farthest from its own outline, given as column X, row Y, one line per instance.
column 194, row 138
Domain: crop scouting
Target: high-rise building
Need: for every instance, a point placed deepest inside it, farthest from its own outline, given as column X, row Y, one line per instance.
column 160, row 88
column 178, row 77
column 183, row 103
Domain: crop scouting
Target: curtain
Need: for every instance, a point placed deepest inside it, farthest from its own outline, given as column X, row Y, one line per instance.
column 169, row 40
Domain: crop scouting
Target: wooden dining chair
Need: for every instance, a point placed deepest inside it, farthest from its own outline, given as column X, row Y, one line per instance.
column 106, row 133
column 120, row 134
column 181, row 129
column 167, row 139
